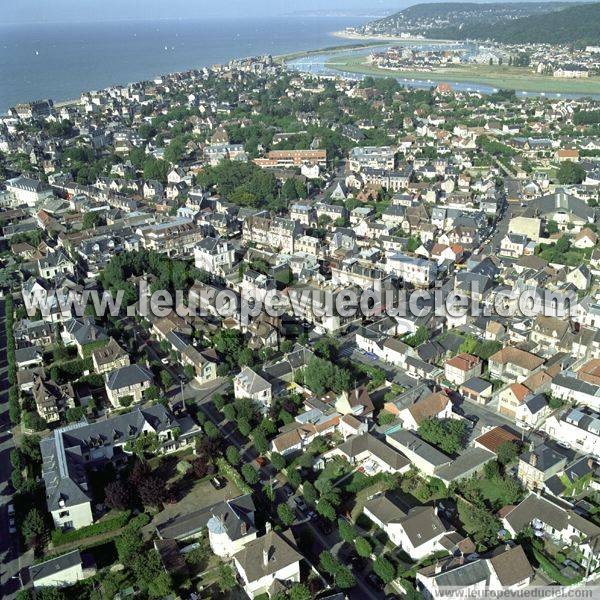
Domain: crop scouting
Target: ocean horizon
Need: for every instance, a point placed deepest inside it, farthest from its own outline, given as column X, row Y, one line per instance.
column 62, row 60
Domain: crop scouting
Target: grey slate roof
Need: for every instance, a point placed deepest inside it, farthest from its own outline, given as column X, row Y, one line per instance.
column 356, row 445
column 279, row 549
column 465, row 575
column 551, row 513
column 128, row 376
column 466, row 463
column 55, row 565
column 63, row 468
column 408, row 440
column 236, row 516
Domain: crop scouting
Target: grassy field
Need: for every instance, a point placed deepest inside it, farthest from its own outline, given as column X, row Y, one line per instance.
column 504, row 77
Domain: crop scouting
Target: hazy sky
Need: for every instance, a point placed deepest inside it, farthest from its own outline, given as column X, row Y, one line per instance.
column 22, row 11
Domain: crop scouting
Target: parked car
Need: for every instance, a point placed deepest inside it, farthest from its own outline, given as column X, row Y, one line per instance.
column 300, row 503
column 288, row 491
column 11, row 509
column 12, row 528
column 375, row 581
column 261, row 461
column 569, row 563
column 218, row 482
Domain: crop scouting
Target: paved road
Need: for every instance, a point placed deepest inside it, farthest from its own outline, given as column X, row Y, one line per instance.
column 12, row 562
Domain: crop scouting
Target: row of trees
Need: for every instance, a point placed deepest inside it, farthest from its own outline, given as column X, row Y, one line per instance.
column 14, row 406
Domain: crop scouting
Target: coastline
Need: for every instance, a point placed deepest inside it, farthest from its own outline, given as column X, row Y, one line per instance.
column 347, row 35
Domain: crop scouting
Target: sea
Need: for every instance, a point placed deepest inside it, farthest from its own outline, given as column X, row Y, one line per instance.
column 59, row 61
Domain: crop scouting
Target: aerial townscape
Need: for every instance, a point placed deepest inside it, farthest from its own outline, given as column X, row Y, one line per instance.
column 276, row 333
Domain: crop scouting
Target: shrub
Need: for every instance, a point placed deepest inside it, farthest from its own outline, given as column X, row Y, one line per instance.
column 113, row 524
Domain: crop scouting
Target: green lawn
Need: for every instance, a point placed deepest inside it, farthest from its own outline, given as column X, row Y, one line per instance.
column 513, row 78
column 491, row 489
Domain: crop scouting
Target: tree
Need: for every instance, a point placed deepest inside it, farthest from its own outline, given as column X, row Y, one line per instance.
column 309, row 492
column 229, row 412
column 570, row 173
column 244, row 427
column 384, row 569
column 232, row 455
column 139, row 472
column 117, row 495
column 327, row 562
column 165, row 379
column 250, row 474
column 211, row 430
column 446, row 434
column 507, row 453
column 226, row 578
column 418, row 338
column 299, row 592
column 363, row 548
column 268, row 426
column 189, row 372
column 327, row 348
column 325, row 509
column 320, row 376
column 200, row 467
column 218, row 401
column 129, row 543
column 285, row 514
column 293, row 477
column 479, row 523
column 346, row 531
column 344, row 579
column 151, row 394
column 16, row 459
column 33, row 421
column 278, row 461
column 30, row 448
column 151, row 576
column 74, row 414
column 34, row 528
column 260, row 441
column 152, row 491
column 91, row 220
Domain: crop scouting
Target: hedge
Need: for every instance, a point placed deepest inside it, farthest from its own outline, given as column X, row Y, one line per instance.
column 552, row 570
column 65, row 537
column 232, row 474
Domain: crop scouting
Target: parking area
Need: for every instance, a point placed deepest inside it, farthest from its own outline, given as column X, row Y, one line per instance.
column 201, row 495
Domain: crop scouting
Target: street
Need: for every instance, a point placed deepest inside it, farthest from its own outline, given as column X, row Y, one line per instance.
column 12, row 562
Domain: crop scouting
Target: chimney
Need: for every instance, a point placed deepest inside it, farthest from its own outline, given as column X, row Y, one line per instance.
column 533, row 459
column 267, row 527
column 438, row 568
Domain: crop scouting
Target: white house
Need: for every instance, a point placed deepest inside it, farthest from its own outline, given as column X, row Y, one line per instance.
column 268, row 561
column 433, row 406
column 557, row 522
column 418, row 532
column 249, row 384
column 214, row 256
column 506, row 570
column 128, row 382
column 59, row 572
column 577, row 428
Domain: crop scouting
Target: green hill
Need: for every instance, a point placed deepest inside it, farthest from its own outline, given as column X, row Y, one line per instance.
column 578, row 25
column 517, row 22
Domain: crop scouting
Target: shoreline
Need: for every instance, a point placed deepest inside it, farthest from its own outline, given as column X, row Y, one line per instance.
column 392, row 38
